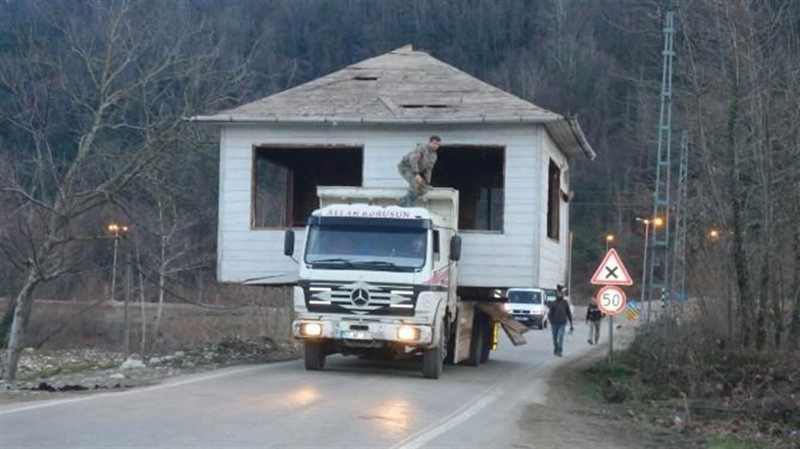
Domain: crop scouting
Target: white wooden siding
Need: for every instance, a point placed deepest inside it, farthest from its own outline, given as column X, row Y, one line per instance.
column 553, row 253
column 489, row 259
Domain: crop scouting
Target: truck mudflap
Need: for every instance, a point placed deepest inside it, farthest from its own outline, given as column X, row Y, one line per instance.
column 513, row 328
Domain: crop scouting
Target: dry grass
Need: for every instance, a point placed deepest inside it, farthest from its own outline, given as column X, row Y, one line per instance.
column 251, row 313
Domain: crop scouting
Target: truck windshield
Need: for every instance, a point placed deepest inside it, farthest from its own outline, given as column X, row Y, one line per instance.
column 524, row 297
column 376, row 248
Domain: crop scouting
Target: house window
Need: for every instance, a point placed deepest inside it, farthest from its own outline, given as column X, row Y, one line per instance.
column 553, row 200
column 286, row 177
column 477, row 172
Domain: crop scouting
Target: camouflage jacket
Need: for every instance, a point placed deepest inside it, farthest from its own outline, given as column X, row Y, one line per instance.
column 420, row 161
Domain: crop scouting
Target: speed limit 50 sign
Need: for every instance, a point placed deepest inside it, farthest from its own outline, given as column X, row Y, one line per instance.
column 611, row 300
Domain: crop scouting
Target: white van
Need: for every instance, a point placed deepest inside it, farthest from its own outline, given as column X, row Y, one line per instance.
column 527, row 305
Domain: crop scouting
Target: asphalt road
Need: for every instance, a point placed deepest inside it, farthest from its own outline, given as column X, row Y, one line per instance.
column 352, row 403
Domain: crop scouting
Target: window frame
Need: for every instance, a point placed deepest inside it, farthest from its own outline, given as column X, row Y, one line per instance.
column 553, row 201
column 288, row 222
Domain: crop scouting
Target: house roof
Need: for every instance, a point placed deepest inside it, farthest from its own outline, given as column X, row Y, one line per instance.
column 404, row 86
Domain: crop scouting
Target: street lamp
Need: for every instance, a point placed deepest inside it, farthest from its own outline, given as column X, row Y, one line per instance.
column 714, row 236
column 609, row 239
column 117, row 231
column 656, row 222
column 644, row 259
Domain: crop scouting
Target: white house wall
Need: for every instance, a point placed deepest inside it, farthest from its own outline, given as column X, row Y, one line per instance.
column 553, row 257
column 488, row 259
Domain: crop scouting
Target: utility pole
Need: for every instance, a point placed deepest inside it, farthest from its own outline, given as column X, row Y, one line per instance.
column 659, row 262
column 681, row 215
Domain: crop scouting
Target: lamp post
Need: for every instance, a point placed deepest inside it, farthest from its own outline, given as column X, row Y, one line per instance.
column 609, row 239
column 656, row 222
column 714, row 237
column 644, row 263
column 117, row 231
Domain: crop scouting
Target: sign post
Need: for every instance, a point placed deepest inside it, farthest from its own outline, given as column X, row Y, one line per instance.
column 611, row 298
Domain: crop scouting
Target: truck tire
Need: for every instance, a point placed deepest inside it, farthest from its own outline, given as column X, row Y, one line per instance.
column 487, row 339
column 450, row 355
column 314, row 356
column 476, row 340
column 433, row 358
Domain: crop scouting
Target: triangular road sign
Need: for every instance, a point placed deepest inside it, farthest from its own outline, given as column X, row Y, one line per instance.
column 612, row 271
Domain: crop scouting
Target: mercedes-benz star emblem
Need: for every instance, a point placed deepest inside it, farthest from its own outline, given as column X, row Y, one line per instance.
column 359, row 297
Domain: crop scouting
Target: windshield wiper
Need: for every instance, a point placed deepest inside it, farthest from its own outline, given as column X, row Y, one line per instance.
column 381, row 263
column 336, row 260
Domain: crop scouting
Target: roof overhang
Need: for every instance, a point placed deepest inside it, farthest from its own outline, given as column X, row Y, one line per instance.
column 569, row 137
column 565, row 131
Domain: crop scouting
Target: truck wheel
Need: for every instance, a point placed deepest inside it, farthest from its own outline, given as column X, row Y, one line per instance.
column 487, row 340
column 450, row 355
column 315, row 356
column 432, row 359
column 476, row 341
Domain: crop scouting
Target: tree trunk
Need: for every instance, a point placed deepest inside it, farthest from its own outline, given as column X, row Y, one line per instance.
column 5, row 323
column 143, row 342
column 763, row 305
column 157, row 325
column 794, row 327
column 127, row 312
column 22, row 312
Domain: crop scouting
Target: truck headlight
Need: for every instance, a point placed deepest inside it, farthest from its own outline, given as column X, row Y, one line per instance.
column 407, row 333
column 507, row 307
column 311, row 329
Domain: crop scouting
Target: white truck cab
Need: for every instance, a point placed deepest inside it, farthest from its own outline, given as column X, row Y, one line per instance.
column 379, row 280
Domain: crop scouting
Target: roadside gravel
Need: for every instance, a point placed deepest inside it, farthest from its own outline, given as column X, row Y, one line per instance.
column 51, row 374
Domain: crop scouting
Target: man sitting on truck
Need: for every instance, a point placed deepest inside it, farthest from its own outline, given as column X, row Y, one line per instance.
column 416, row 168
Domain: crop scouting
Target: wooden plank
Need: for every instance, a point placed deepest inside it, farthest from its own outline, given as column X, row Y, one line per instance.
column 513, row 328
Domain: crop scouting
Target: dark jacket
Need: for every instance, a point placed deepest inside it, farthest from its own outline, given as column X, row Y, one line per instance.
column 559, row 312
column 593, row 313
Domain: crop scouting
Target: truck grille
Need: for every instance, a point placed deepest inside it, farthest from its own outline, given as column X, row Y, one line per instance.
column 360, row 298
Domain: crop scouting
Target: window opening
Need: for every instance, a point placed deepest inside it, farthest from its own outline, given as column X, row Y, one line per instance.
column 477, row 172
column 553, row 200
column 285, row 180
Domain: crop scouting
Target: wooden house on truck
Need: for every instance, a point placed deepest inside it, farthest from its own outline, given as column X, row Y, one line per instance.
column 508, row 159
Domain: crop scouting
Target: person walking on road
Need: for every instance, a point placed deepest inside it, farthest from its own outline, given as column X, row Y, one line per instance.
column 416, row 168
column 593, row 317
column 559, row 315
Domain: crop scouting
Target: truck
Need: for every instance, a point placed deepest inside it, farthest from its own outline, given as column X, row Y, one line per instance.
column 378, row 280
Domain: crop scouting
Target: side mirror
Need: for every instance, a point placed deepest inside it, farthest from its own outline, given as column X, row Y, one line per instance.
column 455, row 248
column 288, row 243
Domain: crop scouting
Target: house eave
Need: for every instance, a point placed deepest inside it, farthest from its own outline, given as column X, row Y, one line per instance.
column 565, row 131
column 569, row 137
column 376, row 120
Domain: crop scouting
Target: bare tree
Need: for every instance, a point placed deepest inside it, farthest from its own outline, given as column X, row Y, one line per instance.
column 120, row 77
column 742, row 62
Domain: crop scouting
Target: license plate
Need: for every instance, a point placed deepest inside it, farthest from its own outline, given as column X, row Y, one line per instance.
column 356, row 335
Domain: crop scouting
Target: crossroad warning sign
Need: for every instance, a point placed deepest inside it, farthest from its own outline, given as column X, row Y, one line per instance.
column 612, row 271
